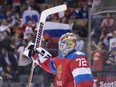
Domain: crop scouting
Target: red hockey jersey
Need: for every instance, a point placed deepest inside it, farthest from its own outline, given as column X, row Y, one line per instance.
column 71, row 71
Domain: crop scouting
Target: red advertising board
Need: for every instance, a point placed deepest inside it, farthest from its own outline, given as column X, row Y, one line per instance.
column 108, row 81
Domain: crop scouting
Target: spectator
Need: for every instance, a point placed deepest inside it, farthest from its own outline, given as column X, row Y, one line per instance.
column 77, row 11
column 68, row 12
column 84, row 12
column 24, row 63
column 112, row 41
column 16, row 5
column 70, row 2
column 2, row 13
column 55, row 19
column 71, row 22
column 8, row 2
column 17, row 40
column 6, row 42
column 16, row 20
column 4, row 26
column 96, row 27
column 106, row 40
column 28, row 29
column 107, row 26
column 79, row 43
column 89, row 3
column 30, row 37
column 64, row 20
column 98, row 56
column 10, row 16
column 111, row 61
column 9, row 63
column 30, row 14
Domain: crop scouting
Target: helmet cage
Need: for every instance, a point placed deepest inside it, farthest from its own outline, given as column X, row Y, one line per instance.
column 67, row 43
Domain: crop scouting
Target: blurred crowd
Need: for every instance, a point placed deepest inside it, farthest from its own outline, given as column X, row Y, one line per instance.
column 104, row 44
column 18, row 27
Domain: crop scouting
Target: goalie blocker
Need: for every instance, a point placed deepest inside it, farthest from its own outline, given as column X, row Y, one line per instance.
column 71, row 67
column 42, row 53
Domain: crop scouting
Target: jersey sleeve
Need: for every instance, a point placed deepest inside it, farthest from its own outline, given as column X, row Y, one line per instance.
column 47, row 65
column 81, row 72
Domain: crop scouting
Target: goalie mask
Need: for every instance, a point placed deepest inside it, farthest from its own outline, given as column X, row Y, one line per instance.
column 67, row 43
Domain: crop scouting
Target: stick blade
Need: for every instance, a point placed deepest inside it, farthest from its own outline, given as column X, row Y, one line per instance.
column 52, row 10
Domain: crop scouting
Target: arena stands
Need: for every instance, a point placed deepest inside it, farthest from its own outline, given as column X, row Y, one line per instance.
column 17, row 25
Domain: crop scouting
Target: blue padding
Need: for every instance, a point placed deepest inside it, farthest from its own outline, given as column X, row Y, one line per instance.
column 53, row 69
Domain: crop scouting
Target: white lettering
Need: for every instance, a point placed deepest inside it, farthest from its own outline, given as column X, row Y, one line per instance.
column 59, row 83
column 95, row 83
column 82, row 61
column 108, row 84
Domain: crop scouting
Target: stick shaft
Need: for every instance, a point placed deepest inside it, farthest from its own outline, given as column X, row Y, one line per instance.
column 31, row 74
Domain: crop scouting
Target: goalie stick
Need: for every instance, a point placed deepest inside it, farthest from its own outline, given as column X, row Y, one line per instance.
column 39, row 35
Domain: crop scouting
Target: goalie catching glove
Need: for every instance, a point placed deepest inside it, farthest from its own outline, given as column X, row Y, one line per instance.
column 42, row 53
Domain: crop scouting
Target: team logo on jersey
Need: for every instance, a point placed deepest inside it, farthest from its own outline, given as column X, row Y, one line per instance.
column 59, row 71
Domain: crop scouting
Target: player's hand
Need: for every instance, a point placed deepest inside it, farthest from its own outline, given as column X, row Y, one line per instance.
column 29, row 51
column 43, row 54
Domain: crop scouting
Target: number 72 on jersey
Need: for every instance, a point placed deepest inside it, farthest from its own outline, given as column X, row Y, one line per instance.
column 82, row 61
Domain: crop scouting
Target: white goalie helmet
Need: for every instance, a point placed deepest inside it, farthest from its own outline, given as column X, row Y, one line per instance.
column 67, row 43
